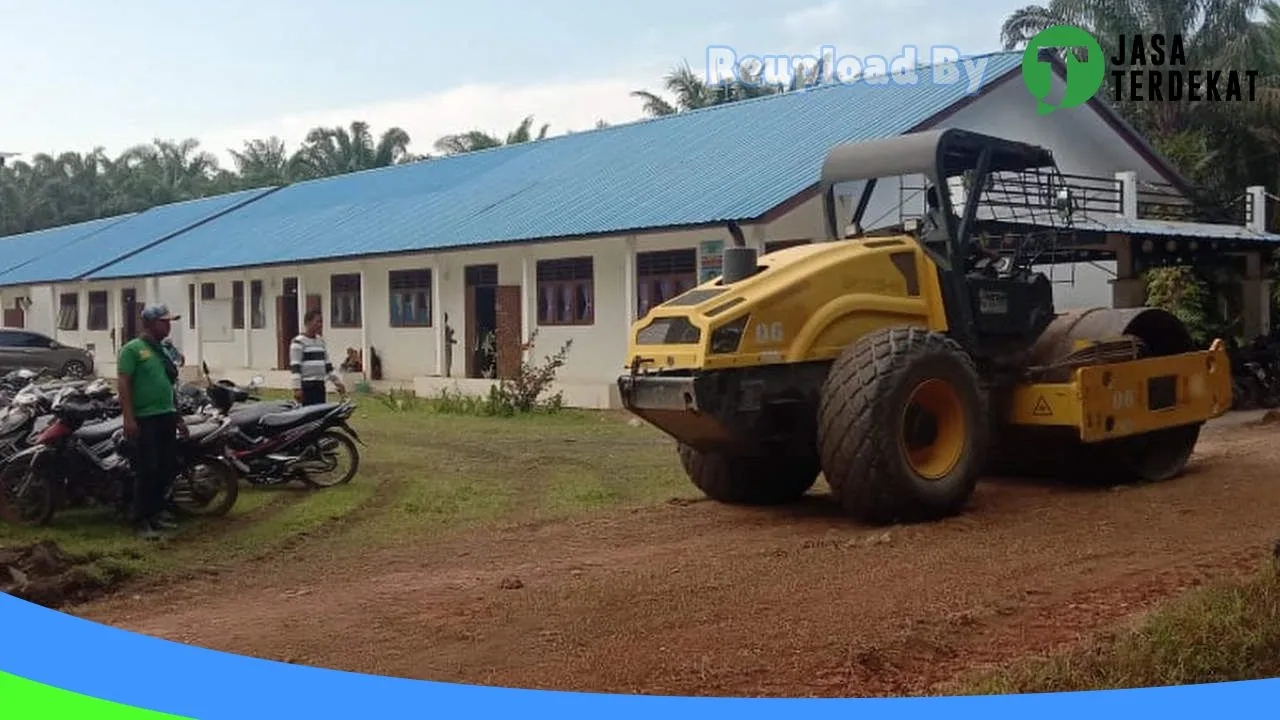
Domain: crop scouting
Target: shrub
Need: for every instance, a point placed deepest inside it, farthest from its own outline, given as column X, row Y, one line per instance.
column 521, row 393
column 1183, row 293
column 518, row 395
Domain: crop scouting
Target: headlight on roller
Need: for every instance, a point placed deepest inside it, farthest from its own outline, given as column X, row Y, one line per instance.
column 727, row 338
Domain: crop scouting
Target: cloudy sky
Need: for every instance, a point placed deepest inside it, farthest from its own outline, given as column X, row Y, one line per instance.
column 75, row 74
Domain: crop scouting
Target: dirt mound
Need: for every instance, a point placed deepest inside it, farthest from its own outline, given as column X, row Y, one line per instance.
column 46, row 575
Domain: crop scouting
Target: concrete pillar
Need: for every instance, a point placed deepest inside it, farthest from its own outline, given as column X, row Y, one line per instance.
column 115, row 306
column 756, row 238
column 82, row 313
column 1128, row 293
column 302, row 300
column 1127, row 290
column 629, row 287
column 199, row 350
column 246, row 302
column 1255, row 310
column 364, row 322
column 437, row 315
column 1258, row 208
column 1128, row 181
column 528, row 300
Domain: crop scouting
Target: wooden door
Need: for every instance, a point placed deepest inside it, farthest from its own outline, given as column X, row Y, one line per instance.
column 474, row 278
column 510, row 343
column 286, row 328
column 131, row 314
column 469, row 334
column 14, row 317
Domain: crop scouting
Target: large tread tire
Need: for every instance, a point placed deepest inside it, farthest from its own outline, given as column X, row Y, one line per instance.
column 750, row 480
column 861, row 415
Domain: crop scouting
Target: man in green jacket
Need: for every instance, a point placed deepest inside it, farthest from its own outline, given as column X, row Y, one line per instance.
column 146, row 379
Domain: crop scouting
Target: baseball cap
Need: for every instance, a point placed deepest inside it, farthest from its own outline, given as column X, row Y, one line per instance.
column 158, row 312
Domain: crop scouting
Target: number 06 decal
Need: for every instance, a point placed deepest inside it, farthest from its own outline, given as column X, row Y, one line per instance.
column 769, row 333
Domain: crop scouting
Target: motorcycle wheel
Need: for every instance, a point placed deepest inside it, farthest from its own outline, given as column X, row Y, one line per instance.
column 1244, row 394
column 1251, row 393
column 1268, row 399
column 199, row 497
column 331, row 444
column 38, row 501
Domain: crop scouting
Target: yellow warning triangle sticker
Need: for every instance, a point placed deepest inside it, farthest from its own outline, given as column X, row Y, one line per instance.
column 1042, row 408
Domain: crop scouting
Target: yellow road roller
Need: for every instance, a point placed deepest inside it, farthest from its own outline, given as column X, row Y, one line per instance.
column 903, row 363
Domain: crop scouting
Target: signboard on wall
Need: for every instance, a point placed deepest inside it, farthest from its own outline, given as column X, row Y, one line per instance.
column 710, row 259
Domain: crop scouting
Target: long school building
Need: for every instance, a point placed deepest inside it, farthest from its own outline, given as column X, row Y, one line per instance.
column 433, row 274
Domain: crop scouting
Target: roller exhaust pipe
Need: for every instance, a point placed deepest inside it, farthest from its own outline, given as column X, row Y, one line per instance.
column 740, row 261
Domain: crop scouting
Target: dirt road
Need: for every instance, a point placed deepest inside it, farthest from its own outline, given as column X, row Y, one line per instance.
column 710, row 600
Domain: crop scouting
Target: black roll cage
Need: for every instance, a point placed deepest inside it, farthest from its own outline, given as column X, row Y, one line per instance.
column 935, row 154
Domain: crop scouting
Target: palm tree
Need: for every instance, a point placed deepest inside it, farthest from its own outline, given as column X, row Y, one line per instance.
column 263, row 162
column 329, row 151
column 473, row 140
column 52, row 189
column 692, row 92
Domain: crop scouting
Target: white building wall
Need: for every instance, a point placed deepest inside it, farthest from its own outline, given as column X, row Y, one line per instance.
column 597, row 351
column 404, row 352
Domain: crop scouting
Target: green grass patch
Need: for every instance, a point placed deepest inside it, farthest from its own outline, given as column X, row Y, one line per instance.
column 1219, row 633
column 424, row 473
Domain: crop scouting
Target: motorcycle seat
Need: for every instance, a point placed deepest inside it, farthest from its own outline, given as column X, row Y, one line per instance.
column 254, row 412
column 201, row 430
column 99, row 431
column 298, row 416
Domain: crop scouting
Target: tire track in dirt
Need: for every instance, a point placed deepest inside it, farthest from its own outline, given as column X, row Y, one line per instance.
column 707, row 599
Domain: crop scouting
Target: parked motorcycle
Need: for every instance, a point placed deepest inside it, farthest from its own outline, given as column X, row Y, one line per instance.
column 1255, row 371
column 18, row 418
column 80, row 459
column 276, row 442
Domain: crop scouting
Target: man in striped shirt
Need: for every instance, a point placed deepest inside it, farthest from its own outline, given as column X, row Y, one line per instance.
column 309, row 363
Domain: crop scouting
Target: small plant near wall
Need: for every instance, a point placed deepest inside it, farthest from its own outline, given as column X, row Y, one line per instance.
column 526, row 392
column 520, row 394
column 401, row 400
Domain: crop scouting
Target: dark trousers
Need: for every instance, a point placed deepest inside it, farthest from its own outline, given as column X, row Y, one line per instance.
column 155, row 464
column 313, row 393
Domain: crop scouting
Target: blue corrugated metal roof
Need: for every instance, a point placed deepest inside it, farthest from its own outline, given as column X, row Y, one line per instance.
column 1172, row 228
column 87, row 253
column 1110, row 223
column 733, row 161
column 18, row 250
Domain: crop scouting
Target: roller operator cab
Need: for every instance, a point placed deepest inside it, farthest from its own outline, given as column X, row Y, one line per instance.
column 901, row 363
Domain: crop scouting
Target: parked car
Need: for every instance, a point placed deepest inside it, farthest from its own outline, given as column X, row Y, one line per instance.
column 25, row 349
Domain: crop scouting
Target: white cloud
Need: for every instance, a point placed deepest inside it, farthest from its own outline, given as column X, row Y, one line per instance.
column 496, row 109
